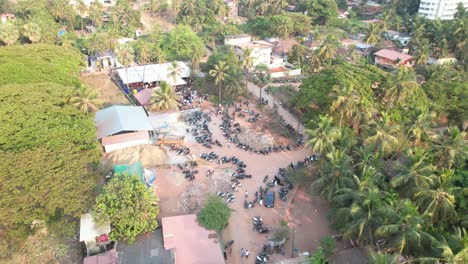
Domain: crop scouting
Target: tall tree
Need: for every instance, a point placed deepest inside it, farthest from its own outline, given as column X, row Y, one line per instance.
column 129, row 206
column 82, row 10
column 373, row 34
column 261, row 77
column 86, row 99
column 449, row 147
column 174, row 72
column 247, row 63
column 219, row 73
column 164, row 98
column 323, row 137
column 125, row 57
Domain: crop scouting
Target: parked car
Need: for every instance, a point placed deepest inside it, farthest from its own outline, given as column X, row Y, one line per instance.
column 270, row 199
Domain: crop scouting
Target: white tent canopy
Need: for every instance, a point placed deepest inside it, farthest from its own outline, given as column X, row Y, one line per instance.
column 153, row 73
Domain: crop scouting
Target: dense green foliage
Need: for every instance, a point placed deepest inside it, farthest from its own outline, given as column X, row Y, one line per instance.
column 387, row 172
column 47, row 146
column 129, row 205
column 313, row 97
column 281, row 25
column 321, row 11
column 215, row 215
column 182, row 43
column 39, row 63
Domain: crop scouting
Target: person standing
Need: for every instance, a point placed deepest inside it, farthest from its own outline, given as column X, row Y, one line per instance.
column 242, row 253
column 247, row 253
column 246, row 194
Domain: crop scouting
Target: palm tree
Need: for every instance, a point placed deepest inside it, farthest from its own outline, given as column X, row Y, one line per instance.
column 233, row 86
column 383, row 137
column 261, row 77
column 156, row 54
column 418, row 173
column 383, row 258
column 423, row 53
column 419, row 127
column 9, row 34
column 324, row 136
column 96, row 13
column 125, row 57
column 247, row 63
column 164, row 98
column 373, row 32
column 438, row 201
column 361, row 212
column 400, row 87
column 82, row 9
column 449, row 147
column 346, row 101
column 327, row 51
column 174, row 72
column 219, row 73
column 32, row 31
column 144, row 53
column 96, row 42
column 337, row 173
column 86, row 99
column 405, row 233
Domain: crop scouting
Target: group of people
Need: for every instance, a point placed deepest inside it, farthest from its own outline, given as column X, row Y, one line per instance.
column 244, row 253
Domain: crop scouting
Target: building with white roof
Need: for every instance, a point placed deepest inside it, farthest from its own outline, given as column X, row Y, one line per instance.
column 440, row 9
column 153, row 73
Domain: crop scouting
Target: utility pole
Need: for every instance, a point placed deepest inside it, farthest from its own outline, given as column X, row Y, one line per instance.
column 292, row 250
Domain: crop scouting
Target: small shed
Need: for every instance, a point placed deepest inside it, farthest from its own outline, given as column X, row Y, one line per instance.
column 94, row 236
column 126, row 140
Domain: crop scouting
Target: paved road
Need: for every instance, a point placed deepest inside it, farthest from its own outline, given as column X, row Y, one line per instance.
column 290, row 118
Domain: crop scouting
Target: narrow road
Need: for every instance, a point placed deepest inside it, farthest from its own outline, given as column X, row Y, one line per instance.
column 290, row 118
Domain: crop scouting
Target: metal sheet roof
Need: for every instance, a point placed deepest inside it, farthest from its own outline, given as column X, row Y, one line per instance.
column 153, row 73
column 118, row 118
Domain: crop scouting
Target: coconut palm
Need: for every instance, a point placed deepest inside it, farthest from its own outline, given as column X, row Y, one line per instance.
column 449, row 147
column 418, row 173
column 219, row 73
column 164, row 98
column 337, row 173
column 82, row 9
column 247, row 63
column 86, row 99
column 125, row 57
column 373, row 34
column 405, row 233
column 233, row 86
column 383, row 258
column 419, row 127
column 9, row 34
column 261, row 77
column 324, row 136
column 361, row 212
column 345, row 102
column 383, row 135
column 400, row 87
column 423, row 53
column 96, row 13
column 156, row 54
column 32, row 31
column 327, row 51
column 438, row 201
column 174, row 72
column 143, row 53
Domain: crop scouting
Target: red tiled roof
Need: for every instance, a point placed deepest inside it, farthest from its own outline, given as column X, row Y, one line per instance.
column 110, row 257
column 284, row 46
column 393, row 55
column 189, row 241
column 279, row 69
column 144, row 96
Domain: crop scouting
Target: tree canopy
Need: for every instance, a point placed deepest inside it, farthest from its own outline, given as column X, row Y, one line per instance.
column 182, row 43
column 129, row 205
column 215, row 215
column 47, row 145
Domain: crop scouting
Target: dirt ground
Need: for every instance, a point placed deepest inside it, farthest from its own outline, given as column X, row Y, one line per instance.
column 307, row 214
column 108, row 91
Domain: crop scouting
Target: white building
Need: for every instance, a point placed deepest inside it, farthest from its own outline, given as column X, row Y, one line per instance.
column 89, row 2
column 440, row 9
column 260, row 51
column 237, row 39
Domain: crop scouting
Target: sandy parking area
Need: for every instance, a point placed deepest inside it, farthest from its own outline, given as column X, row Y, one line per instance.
column 307, row 214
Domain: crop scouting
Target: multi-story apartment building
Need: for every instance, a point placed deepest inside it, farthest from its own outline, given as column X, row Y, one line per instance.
column 440, row 9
